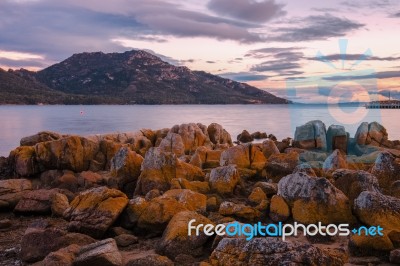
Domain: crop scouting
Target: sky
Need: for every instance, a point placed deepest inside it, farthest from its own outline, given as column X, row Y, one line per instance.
column 308, row 51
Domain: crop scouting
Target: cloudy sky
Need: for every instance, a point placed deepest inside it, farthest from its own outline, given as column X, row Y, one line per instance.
column 305, row 50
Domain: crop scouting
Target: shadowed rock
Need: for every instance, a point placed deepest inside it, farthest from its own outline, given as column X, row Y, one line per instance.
column 314, row 199
column 352, row 182
column 176, row 241
column 37, row 243
column 269, row 251
column 103, row 252
column 11, row 192
column 40, row 137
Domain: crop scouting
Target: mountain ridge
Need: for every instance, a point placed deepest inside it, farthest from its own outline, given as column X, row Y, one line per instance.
column 137, row 77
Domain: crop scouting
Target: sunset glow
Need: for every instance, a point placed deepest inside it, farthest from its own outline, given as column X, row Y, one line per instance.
column 263, row 43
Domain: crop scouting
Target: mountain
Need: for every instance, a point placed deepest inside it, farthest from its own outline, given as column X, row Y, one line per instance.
column 22, row 87
column 18, row 88
column 142, row 78
column 138, row 77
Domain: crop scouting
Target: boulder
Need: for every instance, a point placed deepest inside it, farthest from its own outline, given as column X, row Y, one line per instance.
column 196, row 186
column 125, row 167
column 239, row 210
column 104, row 252
column 280, row 165
column 244, row 156
column 311, row 135
column 59, row 204
column 387, row 170
column 62, row 257
column 191, row 200
column 108, row 149
column 363, row 161
column 63, row 179
column 142, row 140
column 283, row 145
column 395, row 256
column 125, row 240
column 279, row 210
column 336, row 138
column 259, row 135
column 99, row 162
column 117, row 230
column 314, row 199
column 36, row 202
column 212, row 204
column 173, row 143
column 334, row 161
column 158, row 169
column 134, row 210
column 23, row 161
column 269, row 251
column 268, row 188
column 37, row 243
column 193, row 136
column 371, row 134
column 153, row 194
column 188, row 171
column 153, row 215
column 11, row 191
column 224, row 179
column 72, row 153
column 245, row 137
column 257, row 158
column 139, row 141
column 352, row 182
column 40, row 137
column 85, row 179
column 206, row 158
column 218, row 135
column 93, row 211
column 269, row 148
column 365, row 151
column 374, row 208
column 377, row 134
column 175, row 239
column 238, row 155
column 5, row 168
column 257, row 195
column 310, row 156
column 364, row 245
column 362, row 133
column 160, row 134
column 148, row 258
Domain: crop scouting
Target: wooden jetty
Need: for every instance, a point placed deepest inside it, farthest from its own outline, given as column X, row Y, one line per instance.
column 391, row 104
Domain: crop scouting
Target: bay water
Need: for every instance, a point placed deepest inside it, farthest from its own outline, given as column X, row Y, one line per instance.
column 18, row 121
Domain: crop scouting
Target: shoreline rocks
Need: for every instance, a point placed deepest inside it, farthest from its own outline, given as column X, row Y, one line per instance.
column 126, row 198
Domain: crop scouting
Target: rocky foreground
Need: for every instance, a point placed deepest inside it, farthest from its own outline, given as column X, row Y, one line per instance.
column 127, row 198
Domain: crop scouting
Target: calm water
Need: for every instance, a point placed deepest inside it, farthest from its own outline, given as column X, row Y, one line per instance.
column 280, row 120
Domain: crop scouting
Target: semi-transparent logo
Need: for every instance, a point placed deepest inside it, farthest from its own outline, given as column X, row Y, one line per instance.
column 340, row 94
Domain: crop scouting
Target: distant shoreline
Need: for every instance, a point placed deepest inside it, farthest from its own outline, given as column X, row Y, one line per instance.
column 196, row 104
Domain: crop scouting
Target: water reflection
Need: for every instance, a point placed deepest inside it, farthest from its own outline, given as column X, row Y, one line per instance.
column 280, row 120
